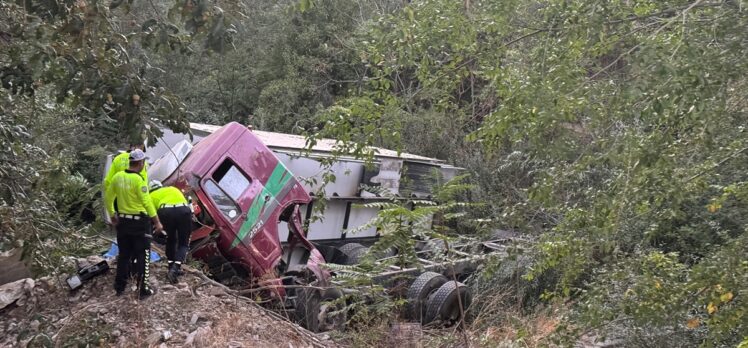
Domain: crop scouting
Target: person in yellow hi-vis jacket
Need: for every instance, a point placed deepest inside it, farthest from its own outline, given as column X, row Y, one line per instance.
column 175, row 213
column 132, row 219
column 122, row 162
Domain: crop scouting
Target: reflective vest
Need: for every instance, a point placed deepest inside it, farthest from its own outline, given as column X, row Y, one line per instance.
column 167, row 195
column 131, row 193
column 119, row 164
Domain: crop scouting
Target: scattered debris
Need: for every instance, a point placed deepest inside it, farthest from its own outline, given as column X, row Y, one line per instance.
column 202, row 337
column 153, row 338
column 182, row 315
column 86, row 273
column 166, row 335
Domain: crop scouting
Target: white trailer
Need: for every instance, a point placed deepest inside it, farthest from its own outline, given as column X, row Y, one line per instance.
column 435, row 294
column 398, row 173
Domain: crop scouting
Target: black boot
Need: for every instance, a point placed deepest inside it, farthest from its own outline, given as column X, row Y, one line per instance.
column 145, row 293
column 173, row 274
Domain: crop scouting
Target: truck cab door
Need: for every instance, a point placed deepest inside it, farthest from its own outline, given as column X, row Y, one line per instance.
column 244, row 205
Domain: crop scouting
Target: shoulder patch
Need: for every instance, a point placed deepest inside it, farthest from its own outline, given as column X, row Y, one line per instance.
column 144, row 189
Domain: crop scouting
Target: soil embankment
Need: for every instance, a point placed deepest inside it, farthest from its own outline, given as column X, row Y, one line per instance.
column 193, row 313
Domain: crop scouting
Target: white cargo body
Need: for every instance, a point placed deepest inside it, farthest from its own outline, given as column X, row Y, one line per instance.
column 396, row 172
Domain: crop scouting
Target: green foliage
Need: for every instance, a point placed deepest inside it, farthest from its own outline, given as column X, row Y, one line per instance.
column 700, row 304
column 40, row 197
column 77, row 52
column 401, row 224
column 355, row 124
column 76, row 84
column 615, row 127
column 614, row 130
column 286, row 64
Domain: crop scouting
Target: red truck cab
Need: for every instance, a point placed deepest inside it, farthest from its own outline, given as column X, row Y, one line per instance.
column 244, row 192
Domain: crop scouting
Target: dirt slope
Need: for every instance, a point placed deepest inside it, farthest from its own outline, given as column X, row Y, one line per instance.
column 192, row 313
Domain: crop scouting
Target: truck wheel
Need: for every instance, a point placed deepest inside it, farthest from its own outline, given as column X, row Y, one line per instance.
column 222, row 270
column 349, row 247
column 332, row 312
column 444, row 304
column 306, row 308
column 317, row 311
column 353, row 253
column 356, row 256
column 418, row 294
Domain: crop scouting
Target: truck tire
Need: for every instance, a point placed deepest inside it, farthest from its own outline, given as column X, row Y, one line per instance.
column 356, row 255
column 419, row 291
column 221, row 270
column 353, row 253
column 306, row 308
column 309, row 306
column 336, row 316
column 444, row 304
column 349, row 247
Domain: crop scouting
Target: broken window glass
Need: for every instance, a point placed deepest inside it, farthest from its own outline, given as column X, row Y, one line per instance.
column 231, row 180
column 225, row 204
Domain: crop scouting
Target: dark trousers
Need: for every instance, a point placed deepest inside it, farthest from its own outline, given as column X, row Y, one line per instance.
column 134, row 242
column 177, row 223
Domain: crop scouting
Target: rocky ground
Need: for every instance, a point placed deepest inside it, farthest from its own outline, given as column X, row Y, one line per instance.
column 193, row 313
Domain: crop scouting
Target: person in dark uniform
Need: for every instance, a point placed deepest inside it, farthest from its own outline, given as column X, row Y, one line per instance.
column 175, row 213
column 133, row 218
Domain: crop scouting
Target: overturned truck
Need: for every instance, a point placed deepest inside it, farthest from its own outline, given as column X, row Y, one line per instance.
column 252, row 197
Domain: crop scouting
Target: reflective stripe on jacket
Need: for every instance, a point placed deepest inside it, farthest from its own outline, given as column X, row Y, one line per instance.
column 131, row 193
column 119, row 164
column 167, row 195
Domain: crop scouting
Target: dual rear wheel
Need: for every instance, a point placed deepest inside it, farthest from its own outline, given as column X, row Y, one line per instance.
column 432, row 298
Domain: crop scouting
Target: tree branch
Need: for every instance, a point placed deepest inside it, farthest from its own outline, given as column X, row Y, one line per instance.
column 721, row 162
column 665, row 13
column 632, row 49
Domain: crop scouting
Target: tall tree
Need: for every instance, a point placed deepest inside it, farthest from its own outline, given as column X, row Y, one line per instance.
column 76, row 83
column 616, row 127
